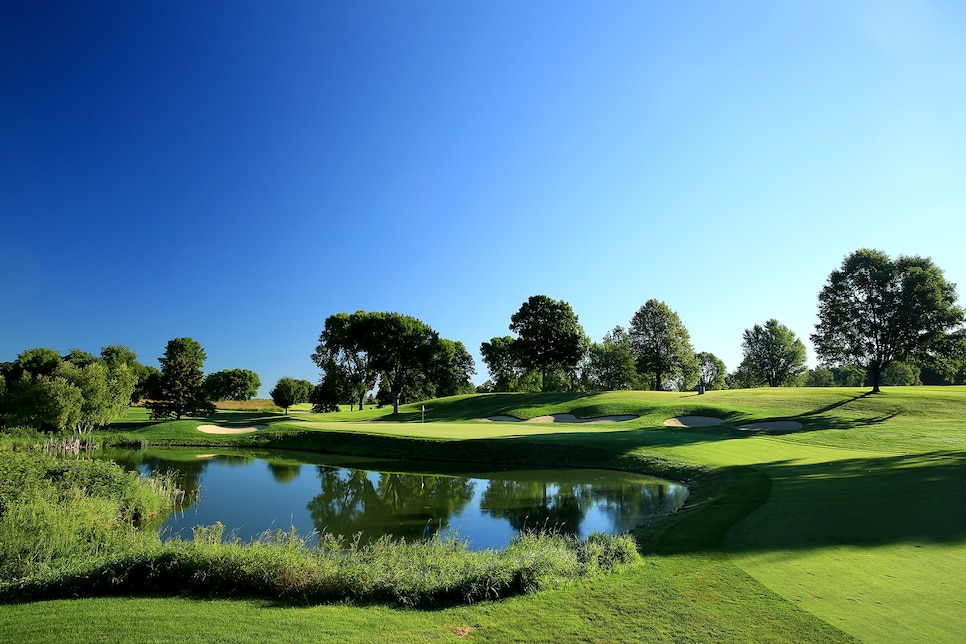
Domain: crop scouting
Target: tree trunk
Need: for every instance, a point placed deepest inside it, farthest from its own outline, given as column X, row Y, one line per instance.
column 876, row 373
column 543, row 379
column 395, row 401
column 362, row 399
column 657, row 381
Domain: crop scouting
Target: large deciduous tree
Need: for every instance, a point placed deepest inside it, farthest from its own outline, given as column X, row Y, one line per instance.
column 874, row 311
column 548, row 335
column 348, row 370
column 662, row 347
column 180, row 391
column 232, row 384
column 773, row 354
column 405, row 353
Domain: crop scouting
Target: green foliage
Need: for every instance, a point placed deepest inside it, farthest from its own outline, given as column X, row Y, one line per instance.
column 232, row 384
column 610, row 364
column 820, row 377
column 711, row 372
column 549, row 335
column 662, row 347
column 180, row 388
column 289, row 391
column 901, row 374
column 342, row 354
column 874, row 311
column 773, row 355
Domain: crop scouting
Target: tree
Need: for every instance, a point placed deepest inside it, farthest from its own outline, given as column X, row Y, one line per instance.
column 115, row 355
column 506, row 371
column 401, row 348
column 711, row 371
column 342, row 356
column 773, row 354
column 874, row 311
column 549, row 335
column 289, row 391
column 662, row 347
column 180, row 391
column 610, row 364
column 77, row 397
column 820, row 377
column 232, row 384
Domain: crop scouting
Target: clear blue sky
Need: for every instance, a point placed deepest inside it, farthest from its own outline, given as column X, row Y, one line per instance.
column 237, row 171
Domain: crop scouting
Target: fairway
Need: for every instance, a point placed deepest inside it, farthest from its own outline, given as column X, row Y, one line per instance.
column 851, row 527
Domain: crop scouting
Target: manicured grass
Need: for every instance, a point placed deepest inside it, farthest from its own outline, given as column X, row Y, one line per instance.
column 850, row 527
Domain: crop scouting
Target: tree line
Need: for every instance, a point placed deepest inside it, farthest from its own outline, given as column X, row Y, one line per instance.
column 881, row 321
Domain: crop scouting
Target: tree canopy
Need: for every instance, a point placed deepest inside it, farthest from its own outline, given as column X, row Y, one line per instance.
column 549, row 335
column 289, row 391
column 773, row 354
column 180, row 389
column 406, row 354
column 232, row 384
column 610, row 363
column 874, row 311
column 711, row 371
column 662, row 347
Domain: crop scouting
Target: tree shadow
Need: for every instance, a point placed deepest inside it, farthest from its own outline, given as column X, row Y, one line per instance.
column 867, row 502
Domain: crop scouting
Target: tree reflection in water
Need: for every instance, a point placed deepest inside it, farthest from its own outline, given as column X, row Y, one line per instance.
column 417, row 505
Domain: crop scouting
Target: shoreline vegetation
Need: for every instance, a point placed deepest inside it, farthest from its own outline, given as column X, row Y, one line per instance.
column 849, row 455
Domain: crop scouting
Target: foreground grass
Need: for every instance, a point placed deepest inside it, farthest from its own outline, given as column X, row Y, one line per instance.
column 804, row 536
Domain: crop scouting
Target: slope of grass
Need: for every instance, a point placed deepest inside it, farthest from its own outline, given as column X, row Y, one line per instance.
column 850, row 525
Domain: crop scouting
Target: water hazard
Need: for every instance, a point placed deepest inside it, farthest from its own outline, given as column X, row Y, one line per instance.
column 316, row 493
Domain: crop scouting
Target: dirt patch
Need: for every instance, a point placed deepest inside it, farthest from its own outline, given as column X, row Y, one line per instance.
column 215, row 429
column 560, row 418
column 774, row 425
column 693, row 421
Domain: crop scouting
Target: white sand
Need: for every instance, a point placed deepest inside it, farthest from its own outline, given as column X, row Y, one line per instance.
column 693, row 421
column 775, row 425
column 215, row 429
column 560, row 418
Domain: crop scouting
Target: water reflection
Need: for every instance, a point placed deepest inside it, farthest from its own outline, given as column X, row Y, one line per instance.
column 251, row 494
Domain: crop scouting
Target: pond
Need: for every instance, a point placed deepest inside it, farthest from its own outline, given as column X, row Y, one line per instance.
column 251, row 492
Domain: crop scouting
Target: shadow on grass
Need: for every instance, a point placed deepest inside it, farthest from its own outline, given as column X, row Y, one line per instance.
column 863, row 502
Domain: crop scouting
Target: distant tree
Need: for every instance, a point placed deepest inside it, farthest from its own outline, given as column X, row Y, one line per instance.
column 820, row 377
column 849, row 375
column 341, row 354
column 180, row 391
column 901, row 374
column 610, row 364
column 874, row 311
column 742, row 377
column 80, row 358
column 774, row 354
column 548, row 335
column 289, row 391
column 662, row 347
column 711, row 372
column 232, row 384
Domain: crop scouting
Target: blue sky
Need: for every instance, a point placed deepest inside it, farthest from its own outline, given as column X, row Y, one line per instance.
column 237, row 171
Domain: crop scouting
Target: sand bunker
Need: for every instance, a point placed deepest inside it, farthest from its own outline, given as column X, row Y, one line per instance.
column 774, row 425
column 215, row 429
column 560, row 418
column 693, row 421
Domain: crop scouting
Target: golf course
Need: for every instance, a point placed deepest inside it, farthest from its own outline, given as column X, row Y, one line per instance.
column 849, row 527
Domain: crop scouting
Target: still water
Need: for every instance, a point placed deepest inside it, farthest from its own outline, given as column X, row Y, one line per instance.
column 251, row 492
